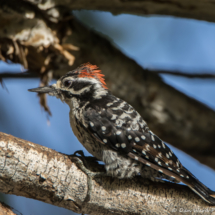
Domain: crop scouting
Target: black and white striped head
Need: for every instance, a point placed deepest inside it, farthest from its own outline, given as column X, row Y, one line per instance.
column 83, row 83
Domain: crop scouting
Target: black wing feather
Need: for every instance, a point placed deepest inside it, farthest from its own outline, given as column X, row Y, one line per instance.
column 130, row 135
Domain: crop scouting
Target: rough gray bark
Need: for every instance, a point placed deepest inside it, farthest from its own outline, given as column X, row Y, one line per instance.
column 34, row 171
column 47, row 43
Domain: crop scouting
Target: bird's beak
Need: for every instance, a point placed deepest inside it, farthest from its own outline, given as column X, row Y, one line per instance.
column 47, row 89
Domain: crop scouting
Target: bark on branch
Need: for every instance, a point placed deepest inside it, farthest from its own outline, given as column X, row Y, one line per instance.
column 42, row 40
column 34, row 171
column 194, row 9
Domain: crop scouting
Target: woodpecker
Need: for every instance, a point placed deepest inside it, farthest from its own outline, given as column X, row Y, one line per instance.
column 115, row 133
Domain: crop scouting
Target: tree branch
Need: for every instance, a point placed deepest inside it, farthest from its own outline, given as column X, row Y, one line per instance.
column 34, row 171
column 194, row 9
column 18, row 75
column 30, row 74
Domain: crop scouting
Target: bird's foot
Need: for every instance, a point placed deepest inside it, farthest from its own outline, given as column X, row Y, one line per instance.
column 82, row 163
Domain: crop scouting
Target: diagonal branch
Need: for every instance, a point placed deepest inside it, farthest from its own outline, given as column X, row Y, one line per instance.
column 34, row 171
column 30, row 74
column 18, row 75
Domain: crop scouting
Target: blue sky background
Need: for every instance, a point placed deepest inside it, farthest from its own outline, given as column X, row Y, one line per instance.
column 153, row 42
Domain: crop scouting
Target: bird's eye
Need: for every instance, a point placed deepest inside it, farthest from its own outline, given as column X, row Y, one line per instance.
column 67, row 83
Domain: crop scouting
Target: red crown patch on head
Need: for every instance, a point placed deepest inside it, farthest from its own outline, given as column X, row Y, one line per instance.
column 91, row 71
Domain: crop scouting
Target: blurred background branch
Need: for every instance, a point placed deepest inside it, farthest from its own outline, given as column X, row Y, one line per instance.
column 29, row 74
column 18, row 75
column 195, row 9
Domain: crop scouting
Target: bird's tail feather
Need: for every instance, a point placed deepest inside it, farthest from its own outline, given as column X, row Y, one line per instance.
column 204, row 192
